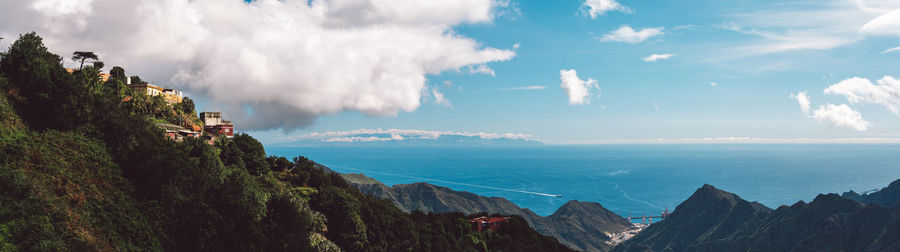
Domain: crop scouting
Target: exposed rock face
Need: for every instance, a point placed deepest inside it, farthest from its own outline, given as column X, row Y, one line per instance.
column 715, row 220
column 888, row 196
column 579, row 225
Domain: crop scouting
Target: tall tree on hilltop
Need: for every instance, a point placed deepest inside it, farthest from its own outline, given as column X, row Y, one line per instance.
column 117, row 72
column 82, row 56
column 36, row 81
column 98, row 64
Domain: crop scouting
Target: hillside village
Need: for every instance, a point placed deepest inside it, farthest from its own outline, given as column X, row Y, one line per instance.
column 209, row 125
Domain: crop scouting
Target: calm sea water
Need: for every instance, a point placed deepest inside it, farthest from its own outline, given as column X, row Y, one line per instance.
column 624, row 178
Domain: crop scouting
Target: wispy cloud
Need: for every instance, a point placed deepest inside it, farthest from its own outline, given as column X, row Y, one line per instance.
column 713, row 84
column 890, row 50
column 626, row 34
column 809, row 25
column 655, row 57
column 781, row 41
column 685, row 27
column 481, row 69
column 380, row 135
column 886, row 24
column 525, row 88
column 439, row 98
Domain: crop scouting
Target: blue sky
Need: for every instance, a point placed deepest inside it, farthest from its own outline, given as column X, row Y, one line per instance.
column 781, row 70
column 670, row 98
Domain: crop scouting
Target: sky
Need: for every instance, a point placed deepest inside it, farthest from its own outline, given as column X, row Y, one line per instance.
column 561, row 72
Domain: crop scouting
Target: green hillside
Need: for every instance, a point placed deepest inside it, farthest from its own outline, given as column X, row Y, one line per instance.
column 84, row 168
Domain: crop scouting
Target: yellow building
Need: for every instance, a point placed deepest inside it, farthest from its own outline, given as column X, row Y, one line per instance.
column 149, row 89
column 173, row 95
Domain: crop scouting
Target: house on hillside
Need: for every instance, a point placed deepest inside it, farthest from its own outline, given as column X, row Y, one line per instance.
column 171, row 96
column 215, row 125
column 149, row 89
column 490, row 223
column 176, row 132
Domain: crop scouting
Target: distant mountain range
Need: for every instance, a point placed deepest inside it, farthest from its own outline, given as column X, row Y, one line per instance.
column 715, row 220
column 709, row 220
column 580, row 225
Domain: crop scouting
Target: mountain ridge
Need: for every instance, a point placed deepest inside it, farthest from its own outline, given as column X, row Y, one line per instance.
column 577, row 224
column 716, row 220
column 887, row 196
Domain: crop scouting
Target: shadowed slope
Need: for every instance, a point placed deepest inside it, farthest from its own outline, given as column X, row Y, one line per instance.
column 579, row 225
column 715, row 220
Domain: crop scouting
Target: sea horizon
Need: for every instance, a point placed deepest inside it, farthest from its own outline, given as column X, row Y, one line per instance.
column 637, row 178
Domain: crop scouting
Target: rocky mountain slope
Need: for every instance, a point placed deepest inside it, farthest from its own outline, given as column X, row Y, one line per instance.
column 579, row 225
column 715, row 220
column 887, row 196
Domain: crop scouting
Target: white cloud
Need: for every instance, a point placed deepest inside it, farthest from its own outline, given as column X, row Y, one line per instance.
column 481, row 69
column 841, row 116
column 366, row 135
column 775, row 40
column 655, row 106
column 808, row 25
column 890, row 50
column 886, row 24
column 626, row 34
column 578, row 90
column 861, row 90
column 439, row 98
column 516, row 46
column 654, row 57
column 685, row 27
column 286, row 61
column 525, row 88
column 802, row 100
column 595, row 8
column 713, row 83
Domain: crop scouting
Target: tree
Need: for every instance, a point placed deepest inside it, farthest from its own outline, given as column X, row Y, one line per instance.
column 137, row 80
column 186, row 106
column 98, row 64
column 118, row 73
column 82, row 56
column 37, row 81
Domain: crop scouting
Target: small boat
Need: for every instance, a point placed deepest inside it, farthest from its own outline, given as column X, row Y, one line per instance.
column 558, row 195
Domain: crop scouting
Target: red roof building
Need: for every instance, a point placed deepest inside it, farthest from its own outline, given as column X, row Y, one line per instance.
column 491, row 223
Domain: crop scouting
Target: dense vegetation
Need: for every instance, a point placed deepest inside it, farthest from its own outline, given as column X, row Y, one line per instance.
column 84, row 168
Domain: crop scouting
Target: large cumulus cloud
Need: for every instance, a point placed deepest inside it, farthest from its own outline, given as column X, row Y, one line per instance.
column 269, row 63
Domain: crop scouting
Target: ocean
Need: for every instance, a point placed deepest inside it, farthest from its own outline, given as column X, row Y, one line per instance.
column 635, row 179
